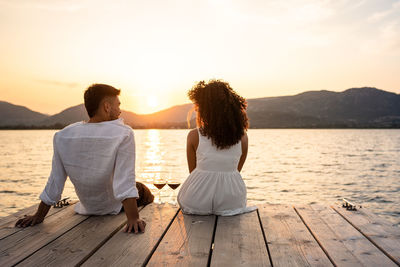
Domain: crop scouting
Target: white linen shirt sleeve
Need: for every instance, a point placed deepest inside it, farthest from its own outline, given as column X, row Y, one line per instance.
column 55, row 184
column 124, row 183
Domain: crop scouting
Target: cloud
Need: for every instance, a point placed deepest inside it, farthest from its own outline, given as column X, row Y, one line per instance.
column 378, row 16
column 54, row 5
column 274, row 12
column 396, row 5
column 290, row 22
column 387, row 37
column 387, row 40
column 58, row 83
column 390, row 33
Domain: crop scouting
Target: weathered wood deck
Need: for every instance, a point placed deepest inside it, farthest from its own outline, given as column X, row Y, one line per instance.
column 274, row 235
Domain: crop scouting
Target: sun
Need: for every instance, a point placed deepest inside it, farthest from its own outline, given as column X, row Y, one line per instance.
column 152, row 102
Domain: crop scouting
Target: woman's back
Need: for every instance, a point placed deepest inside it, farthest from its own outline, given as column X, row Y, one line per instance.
column 216, row 152
column 210, row 158
column 215, row 186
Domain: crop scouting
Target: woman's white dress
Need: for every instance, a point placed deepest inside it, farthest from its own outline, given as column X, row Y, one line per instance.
column 215, row 186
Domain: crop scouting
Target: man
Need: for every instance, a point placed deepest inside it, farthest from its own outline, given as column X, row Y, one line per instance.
column 99, row 158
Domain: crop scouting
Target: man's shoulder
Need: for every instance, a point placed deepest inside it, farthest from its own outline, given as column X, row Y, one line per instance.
column 97, row 130
column 121, row 127
column 69, row 127
column 73, row 125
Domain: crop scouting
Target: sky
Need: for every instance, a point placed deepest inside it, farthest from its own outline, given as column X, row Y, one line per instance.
column 155, row 51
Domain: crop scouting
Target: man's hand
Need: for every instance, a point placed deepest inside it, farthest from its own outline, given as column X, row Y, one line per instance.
column 29, row 220
column 135, row 226
column 38, row 217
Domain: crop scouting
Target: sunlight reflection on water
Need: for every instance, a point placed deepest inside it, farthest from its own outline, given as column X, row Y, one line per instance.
column 283, row 166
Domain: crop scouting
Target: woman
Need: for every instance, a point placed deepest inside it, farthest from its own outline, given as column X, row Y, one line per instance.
column 216, row 152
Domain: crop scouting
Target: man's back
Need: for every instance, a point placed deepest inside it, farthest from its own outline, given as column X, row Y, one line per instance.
column 99, row 158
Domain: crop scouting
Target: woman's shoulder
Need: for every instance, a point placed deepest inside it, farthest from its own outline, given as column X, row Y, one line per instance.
column 193, row 135
column 193, row 138
column 244, row 140
column 193, row 131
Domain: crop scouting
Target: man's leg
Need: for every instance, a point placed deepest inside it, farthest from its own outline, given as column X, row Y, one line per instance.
column 145, row 196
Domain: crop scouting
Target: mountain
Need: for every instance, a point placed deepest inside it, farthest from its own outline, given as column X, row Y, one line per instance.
column 18, row 115
column 353, row 108
column 67, row 116
column 172, row 117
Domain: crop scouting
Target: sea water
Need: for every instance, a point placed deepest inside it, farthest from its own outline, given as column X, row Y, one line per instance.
column 289, row 166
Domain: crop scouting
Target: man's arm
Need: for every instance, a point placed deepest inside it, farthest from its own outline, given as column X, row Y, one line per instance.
column 38, row 217
column 51, row 193
column 134, row 223
column 124, row 184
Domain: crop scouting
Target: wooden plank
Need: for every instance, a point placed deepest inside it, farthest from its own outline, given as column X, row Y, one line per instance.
column 381, row 233
column 78, row 243
column 20, row 245
column 4, row 221
column 328, row 238
column 15, row 216
column 7, row 224
column 187, row 242
column 132, row 250
column 289, row 241
column 239, row 241
column 358, row 245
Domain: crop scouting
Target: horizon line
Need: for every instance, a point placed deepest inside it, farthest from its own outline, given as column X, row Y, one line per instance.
column 47, row 114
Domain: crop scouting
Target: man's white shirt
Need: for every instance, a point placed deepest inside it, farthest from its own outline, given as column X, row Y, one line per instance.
column 99, row 159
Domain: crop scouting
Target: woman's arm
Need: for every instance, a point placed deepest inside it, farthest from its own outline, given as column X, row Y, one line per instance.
column 245, row 145
column 191, row 147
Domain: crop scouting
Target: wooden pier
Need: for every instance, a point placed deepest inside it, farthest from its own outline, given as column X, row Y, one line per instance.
column 274, row 235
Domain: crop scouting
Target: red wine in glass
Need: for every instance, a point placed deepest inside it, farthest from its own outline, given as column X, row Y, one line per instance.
column 159, row 185
column 174, row 185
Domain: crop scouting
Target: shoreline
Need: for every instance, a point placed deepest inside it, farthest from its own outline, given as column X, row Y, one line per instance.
column 184, row 128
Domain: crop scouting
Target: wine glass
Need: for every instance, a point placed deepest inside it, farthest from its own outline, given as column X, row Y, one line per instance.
column 173, row 184
column 159, row 183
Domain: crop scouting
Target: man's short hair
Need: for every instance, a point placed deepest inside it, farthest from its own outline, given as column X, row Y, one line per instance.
column 95, row 94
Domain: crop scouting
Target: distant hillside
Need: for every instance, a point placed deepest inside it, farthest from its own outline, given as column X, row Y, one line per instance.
column 354, row 108
column 67, row 116
column 172, row 117
column 18, row 115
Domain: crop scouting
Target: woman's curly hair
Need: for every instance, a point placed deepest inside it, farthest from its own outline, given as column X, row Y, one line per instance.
column 221, row 113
